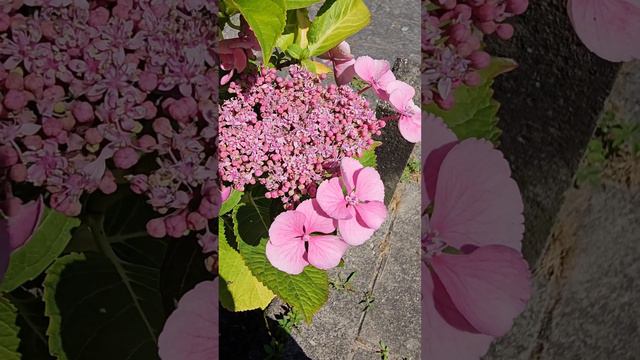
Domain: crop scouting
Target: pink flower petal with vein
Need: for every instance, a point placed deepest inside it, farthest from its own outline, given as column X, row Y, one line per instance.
column 372, row 213
column 288, row 256
column 315, row 219
column 191, row 332
column 411, row 126
column 489, row 287
column 348, row 169
column 326, row 251
column 609, row 28
column 440, row 340
column 287, row 227
column 435, row 135
column 476, row 200
column 331, row 199
column 376, row 73
column 369, row 186
column 354, row 231
column 20, row 227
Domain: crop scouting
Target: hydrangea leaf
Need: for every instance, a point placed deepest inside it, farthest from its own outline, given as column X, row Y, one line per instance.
column 266, row 18
column 243, row 291
column 307, row 292
column 299, row 4
column 369, row 157
column 336, row 21
column 32, row 323
column 9, row 340
column 46, row 244
column 231, row 202
column 114, row 294
column 475, row 111
column 255, row 218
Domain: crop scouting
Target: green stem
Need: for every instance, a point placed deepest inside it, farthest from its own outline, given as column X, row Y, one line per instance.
column 95, row 224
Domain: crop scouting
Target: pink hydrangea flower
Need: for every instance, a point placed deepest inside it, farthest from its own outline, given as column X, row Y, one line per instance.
column 294, row 241
column 18, row 222
column 191, row 331
column 475, row 281
column 609, row 28
column 376, row 73
column 355, row 200
column 343, row 63
column 410, row 118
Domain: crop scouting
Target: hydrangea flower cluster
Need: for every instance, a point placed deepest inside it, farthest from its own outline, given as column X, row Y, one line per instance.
column 286, row 133
column 474, row 279
column 452, row 35
column 88, row 88
column 352, row 202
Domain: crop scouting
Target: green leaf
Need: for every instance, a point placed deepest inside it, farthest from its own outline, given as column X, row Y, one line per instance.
column 244, row 291
column 46, row 244
column 107, row 305
column 255, row 218
column 369, row 157
column 335, row 22
column 32, row 323
column 307, row 292
column 299, row 4
column 266, row 18
column 231, row 202
column 315, row 67
column 9, row 341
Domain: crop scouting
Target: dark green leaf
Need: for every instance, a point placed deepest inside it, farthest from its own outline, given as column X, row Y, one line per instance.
column 9, row 340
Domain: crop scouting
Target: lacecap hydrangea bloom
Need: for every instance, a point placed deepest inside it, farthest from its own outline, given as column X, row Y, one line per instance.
column 92, row 92
column 286, row 133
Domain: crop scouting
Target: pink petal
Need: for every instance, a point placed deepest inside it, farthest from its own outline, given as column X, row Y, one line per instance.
column 287, row 227
column 476, row 201
column 19, row 228
column 609, row 28
column 344, row 71
column 411, row 126
column 442, row 341
column 288, row 257
column 315, row 219
column 369, row 186
column 400, row 94
column 331, row 199
column 191, row 331
column 348, row 169
column 369, row 69
column 354, row 232
column 489, row 286
column 372, row 213
column 435, row 135
column 325, row 252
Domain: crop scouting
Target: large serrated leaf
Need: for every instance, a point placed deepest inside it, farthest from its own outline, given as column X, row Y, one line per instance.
column 244, row 291
column 46, row 244
column 299, row 4
column 266, row 18
column 9, row 341
column 306, row 292
column 335, row 22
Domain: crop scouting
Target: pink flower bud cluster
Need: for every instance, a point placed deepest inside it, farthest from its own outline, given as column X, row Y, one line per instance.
column 452, row 35
column 89, row 88
column 286, row 132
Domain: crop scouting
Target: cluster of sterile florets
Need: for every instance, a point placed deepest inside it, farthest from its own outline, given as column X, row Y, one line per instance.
column 452, row 35
column 287, row 132
column 88, row 88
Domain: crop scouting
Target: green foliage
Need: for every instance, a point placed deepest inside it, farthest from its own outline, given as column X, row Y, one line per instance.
column 475, row 111
column 47, row 243
column 342, row 284
column 411, row 170
column 267, row 18
column 32, row 323
column 383, row 351
column 367, row 301
column 9, row 340
column 336, row 21
column 369, row 157
column 242, row 290
column 299, row 4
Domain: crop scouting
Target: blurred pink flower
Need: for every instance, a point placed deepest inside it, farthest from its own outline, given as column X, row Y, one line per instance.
column 292, row 246
column 475, row 281
column 18, row 222
column 355, row 200
column 343, row 63
column 191, row 331
column 609, row 28
column 410, row 122
column 376, row 73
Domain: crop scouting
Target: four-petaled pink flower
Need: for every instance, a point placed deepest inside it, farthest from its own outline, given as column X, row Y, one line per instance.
column 355, row 200
column 298, row 238
column 474, row 279
column 376, row 73
column 410, row 121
